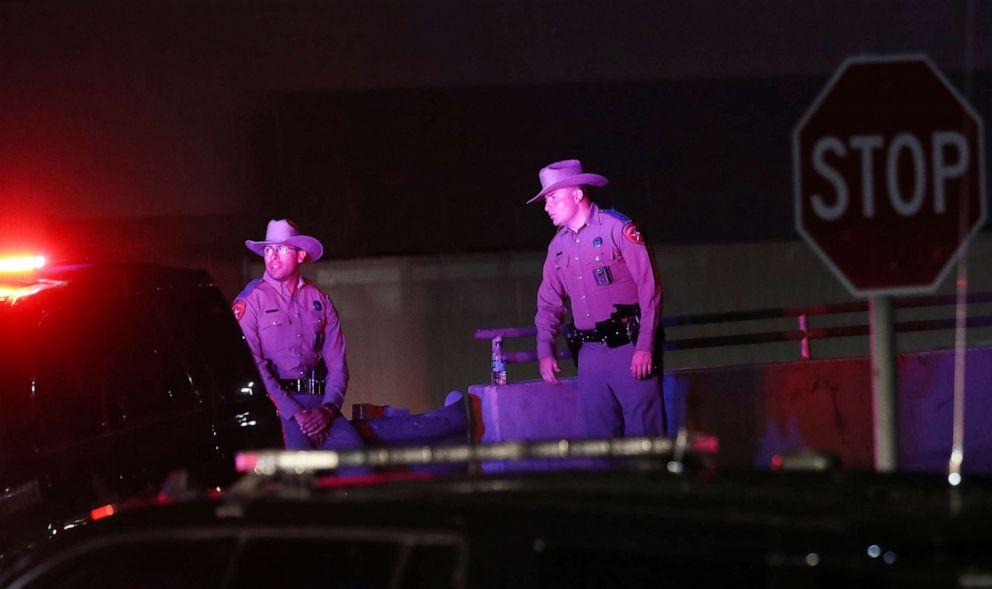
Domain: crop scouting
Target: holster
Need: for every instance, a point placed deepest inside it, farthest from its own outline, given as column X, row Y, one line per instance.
column 620, row 329
column 573, row 341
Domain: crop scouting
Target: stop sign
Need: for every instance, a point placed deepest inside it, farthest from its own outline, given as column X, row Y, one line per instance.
column 889, row 175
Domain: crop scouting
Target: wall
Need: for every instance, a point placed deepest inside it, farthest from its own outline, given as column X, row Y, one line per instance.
column 410, row 320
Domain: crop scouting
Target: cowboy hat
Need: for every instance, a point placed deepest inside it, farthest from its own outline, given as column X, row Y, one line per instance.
column 565, row 173
column 284, row 231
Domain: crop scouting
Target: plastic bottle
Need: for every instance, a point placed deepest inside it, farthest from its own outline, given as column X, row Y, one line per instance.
column 499, row 366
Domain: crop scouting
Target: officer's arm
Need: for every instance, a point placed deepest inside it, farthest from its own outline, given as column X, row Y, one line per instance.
column 550, row 307
column 247, row 317
column 640, row 262
column 335, row 357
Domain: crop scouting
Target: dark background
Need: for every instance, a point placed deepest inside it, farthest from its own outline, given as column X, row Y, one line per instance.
column 175, row 130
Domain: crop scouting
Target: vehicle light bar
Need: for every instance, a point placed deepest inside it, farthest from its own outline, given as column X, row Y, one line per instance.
column 19, row 264
column 300, row 462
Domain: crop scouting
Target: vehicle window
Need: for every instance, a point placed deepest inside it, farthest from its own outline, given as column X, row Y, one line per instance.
column 107, row 363
column 73, row 374
column 432, row 566
column 203, row 328
column 17, row 339
column 185, row 563
column 316, row 562
column 149, row 379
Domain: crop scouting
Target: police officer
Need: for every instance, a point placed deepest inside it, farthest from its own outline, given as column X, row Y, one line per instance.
column 599, row 262
column 294, row 334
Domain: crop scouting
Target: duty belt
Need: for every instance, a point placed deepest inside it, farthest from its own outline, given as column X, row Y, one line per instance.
column 612, row 332
column 305, row 386
column 620, row 329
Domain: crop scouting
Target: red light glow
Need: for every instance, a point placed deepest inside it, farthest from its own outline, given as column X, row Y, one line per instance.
column 102, row 512
column 18, row 264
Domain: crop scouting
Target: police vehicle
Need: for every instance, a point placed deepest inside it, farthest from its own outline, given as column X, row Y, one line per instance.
column 111, row 377
column 661, row 523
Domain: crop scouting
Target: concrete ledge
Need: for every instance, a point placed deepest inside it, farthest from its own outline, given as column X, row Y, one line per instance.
column 758, row 411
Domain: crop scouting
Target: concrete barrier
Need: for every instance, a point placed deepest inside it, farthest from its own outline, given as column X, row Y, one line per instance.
column 758, row 411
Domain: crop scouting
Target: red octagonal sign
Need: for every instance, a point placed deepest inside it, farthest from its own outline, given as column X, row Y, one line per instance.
column 889, row 175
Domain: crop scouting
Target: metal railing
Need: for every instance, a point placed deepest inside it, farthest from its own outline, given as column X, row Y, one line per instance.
column 804, row 333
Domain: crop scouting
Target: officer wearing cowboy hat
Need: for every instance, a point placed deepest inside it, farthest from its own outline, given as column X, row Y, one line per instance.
column 599, row 262
column 293, row 331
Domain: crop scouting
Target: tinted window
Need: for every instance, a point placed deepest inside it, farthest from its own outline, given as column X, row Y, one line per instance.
column 203, row 327
column 349, row 563
column 149, row 380
column 16, row 368
column 73, row 373
column 107, row 363
column 186, row 564
column 317, row 562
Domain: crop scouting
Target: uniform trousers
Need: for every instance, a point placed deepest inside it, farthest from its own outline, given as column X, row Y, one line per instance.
column 614, row 403
column 343, row 435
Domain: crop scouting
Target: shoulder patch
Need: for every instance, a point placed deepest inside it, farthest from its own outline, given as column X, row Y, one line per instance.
column 238, row 307
column 616, row 215
column 248, row 288
column 239, row 304
column 633, row 234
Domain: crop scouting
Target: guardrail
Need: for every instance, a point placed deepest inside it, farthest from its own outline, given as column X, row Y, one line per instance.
column 804, row 333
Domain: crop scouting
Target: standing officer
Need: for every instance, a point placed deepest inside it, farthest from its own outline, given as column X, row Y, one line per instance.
column 598, row 260
column 294, row 334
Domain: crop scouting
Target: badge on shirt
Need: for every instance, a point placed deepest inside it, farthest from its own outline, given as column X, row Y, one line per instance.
column 632, row 234
column 239, row 309
column 317, row 306
column 598, row 242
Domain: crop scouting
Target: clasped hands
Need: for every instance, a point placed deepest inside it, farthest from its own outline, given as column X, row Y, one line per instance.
column 316, row 422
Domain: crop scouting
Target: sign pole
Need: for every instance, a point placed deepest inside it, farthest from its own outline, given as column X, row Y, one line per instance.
column 883, row 378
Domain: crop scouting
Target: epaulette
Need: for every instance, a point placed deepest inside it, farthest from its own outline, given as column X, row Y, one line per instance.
column 248, row 288
column 616, row 215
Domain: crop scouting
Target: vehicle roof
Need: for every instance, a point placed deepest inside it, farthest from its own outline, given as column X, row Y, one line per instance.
column 730, row 517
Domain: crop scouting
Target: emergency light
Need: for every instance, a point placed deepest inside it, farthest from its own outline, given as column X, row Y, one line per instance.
column 19, row 264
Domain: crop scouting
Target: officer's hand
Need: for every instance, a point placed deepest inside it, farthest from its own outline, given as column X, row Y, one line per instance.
column 320, row 420
column 312, row 421
column 549, row 366
column 306, row 419
column 640, row 365
column 318, row 439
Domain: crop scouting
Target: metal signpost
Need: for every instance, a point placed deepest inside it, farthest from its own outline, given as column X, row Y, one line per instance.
column 889, row 190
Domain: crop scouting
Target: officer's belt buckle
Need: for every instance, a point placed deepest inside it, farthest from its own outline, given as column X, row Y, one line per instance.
column 304, row 386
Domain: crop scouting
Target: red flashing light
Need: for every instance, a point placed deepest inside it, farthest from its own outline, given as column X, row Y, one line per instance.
column 777, row 462
column 245, row 461
column 21, row 264
column 102, row 512
column 706, row 444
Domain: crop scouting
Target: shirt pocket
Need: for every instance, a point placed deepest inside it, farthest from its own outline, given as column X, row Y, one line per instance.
column 619, row 272
column 270, row 335
column 269, row 325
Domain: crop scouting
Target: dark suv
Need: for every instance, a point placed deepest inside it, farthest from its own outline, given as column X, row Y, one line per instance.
column 111, row 376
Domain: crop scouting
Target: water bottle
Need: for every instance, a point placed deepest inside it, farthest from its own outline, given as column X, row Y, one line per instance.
column 499, row 366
